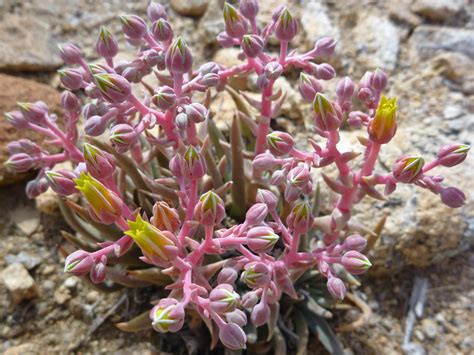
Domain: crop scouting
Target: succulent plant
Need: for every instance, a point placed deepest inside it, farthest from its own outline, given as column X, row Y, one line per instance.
column 226, row 227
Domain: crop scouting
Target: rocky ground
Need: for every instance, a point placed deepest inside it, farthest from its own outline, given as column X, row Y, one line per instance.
column 427, row 48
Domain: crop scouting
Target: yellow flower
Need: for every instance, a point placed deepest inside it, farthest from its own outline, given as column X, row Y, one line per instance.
column 383, row 126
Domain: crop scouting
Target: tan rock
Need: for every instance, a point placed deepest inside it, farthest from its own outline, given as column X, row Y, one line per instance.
column 19, row 282
column 229, row 57
column 23, row 349
column 194, row 8
column 438, row 10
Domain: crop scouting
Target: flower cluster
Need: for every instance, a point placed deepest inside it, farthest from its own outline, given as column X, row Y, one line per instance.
column 152, row 174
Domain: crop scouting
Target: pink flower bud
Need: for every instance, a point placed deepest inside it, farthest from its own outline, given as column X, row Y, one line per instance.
column 299, row 176
column 36, row 187
column 273, row 70
column 345, row 89
column 61, row 181
column 210, row 209
column 325, row 47
column 378, row 80
column 20, row 163
column 16, row 119
column 164, row 217
column 162, row 30
column 70, row 53
column 71, row 78
column 252, row 45
column 164, row 98
column 113, row 87
column 286, row 26
column 356, row 118
column 408, row 168
column 69, row 101
column 100, row 164
column 452, row 154
column 300, row 219
column 336, row 288
column 308, row 87
column 123, row 136
column 249, row 300
column 167, row 316
column 223, row 299
column 256, row 275
column 452, row 197
column 227, row 275
column 280, row 143
column 95, row 126
column 106, row 45
column 150, row 58
column 156, row 11
column 99, row 270
column 237, row 316
column 355, row 242
column 210, row 80
column 261, row 239
column 292, row 193
column 327, row 116
column 33, row 112
column 256, row 214
column 178, row 57
column 196, row 112
column 248, row 8
column 133, row 26
column 209, row 68
column 225, row 40
column 325, row 71
column 262, row 81
column 260, row 314
column 264, row 161
column 24, row 146
column 235, row 24
column 267, row 197
column 182, row 121
column 78, row 263
column 194, row 164
column 355, row 262
column 232, row 336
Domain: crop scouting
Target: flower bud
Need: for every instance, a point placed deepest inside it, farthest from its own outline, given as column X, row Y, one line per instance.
column 227, row 275
column 260, row 314
column 71, row 78
column 356, row 118
column 327, row 117
column 164, row 98
column 208, row 68
column 345, row 89
column 273, row 70
column 123, row 136
column 280, row 143
column 162, row 30
column 249, row 300
column 210, row 209
column 223, row 299
column 237, row 316
column 325, row 47
column 324, row 71
column 308, row 87
column 452, row 197
column 261, row 239
column 408, row 168
column 156, row 11
column 210, row 80
column 133, row 26
column 196, row 112
column 378, row 80
column 20, row 163
column 267, row 197
column 182, row 121
column 248, row 8
column 299, row 176
column 232, row 336
column 194, row 165
column 159, row 247
column 262, row 81
column 336, row 288
column 106, row 45
column 355, row 242
column 278, row 178
column 78, row 263
column 167, row 316
column 16, row 119
column 69, row 101
column 113, row 87
column 61, row 181
column 264, row 161
column 164, row 217
column 292, row 193
column 235, row 24
column 286, row 26
column 36, row 187
column 383, row 126
column 300, row 219
column 24, row 146
column 355, row 262
column 252, row 45
column 33, row 112
column 256, row 275
column 70, row 53
column 104, row 205
column 256, row 214
column 100, row 164
column 224, row 40
column 452, row 154
column 95, row 126
column 99, row 270
column 178, row 57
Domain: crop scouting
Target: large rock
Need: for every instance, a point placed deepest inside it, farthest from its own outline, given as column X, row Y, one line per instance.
column 19, row 282
column 15, row 90
column 25, row 45
column 316, row 23
column 438, row 10
column 194, row 8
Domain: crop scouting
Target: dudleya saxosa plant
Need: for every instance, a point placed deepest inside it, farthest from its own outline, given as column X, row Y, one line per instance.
column 229, row 225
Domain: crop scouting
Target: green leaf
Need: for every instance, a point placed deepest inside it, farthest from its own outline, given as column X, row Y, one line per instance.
column 239, row 201
column 319, row 326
